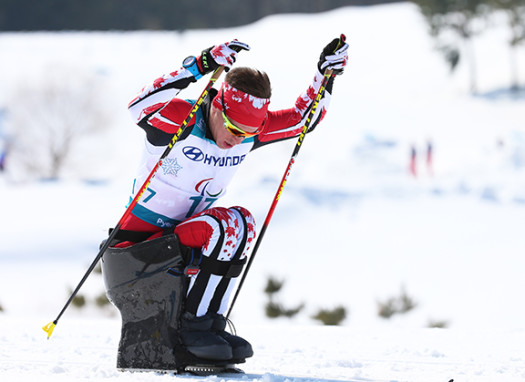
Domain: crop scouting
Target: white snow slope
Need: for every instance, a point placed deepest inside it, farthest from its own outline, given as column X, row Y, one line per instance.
column 352, row 228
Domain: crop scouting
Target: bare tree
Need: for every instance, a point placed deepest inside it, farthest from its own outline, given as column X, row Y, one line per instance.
column 49, row 113
column 457, row 18
column 515, row 10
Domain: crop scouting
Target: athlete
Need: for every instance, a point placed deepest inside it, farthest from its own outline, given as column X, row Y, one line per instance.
column 231, row 122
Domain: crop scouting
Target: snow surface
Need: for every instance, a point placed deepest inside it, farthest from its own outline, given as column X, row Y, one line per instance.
column 352, row 228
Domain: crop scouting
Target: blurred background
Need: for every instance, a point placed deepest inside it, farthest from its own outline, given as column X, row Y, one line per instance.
column 154, row 15
column 405, row 207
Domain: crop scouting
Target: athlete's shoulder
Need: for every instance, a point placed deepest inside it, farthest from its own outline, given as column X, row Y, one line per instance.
column 169, row 119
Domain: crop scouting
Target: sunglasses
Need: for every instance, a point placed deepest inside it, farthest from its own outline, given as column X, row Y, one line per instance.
column 234, row 130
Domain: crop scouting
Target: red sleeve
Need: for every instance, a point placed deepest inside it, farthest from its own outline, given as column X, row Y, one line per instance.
column 289, row 123
column 170, row 117
column 281, row 125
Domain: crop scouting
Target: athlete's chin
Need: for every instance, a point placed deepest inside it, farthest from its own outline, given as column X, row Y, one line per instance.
column 226, row 145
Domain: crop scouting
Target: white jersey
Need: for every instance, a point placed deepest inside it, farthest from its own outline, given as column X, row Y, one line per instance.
column 192, row 177
column 197, row 172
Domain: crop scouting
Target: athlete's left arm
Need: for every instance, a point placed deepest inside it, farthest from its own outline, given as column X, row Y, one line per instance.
column 289, row 123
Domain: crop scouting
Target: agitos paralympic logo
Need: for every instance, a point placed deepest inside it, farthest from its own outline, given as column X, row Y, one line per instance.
column 202, row 185
column 195, row 154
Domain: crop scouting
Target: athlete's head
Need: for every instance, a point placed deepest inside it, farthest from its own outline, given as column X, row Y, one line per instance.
column 240, row 108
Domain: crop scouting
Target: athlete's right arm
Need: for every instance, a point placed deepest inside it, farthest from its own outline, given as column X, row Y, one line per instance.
column 158, row 94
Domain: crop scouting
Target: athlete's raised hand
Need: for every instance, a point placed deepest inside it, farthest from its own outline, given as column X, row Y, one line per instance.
column 221, row 55
column 334, row 56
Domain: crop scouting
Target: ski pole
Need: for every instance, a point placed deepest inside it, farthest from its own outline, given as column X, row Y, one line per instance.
column 216, row 74
column 327, row 74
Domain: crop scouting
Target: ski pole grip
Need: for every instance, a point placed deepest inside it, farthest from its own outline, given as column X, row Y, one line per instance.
column 342, row 40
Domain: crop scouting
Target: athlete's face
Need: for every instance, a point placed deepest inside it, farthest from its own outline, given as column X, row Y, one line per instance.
column 221, row 132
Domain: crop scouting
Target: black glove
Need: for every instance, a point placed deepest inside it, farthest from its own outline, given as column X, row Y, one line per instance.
column 220, row 55
column 334, row 56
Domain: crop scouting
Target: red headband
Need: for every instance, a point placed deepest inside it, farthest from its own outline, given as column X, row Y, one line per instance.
column 242, row 107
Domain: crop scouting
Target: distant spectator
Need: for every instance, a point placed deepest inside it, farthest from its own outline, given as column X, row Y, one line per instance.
column 413, row 161
column 3, row 155
column 430, row 152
